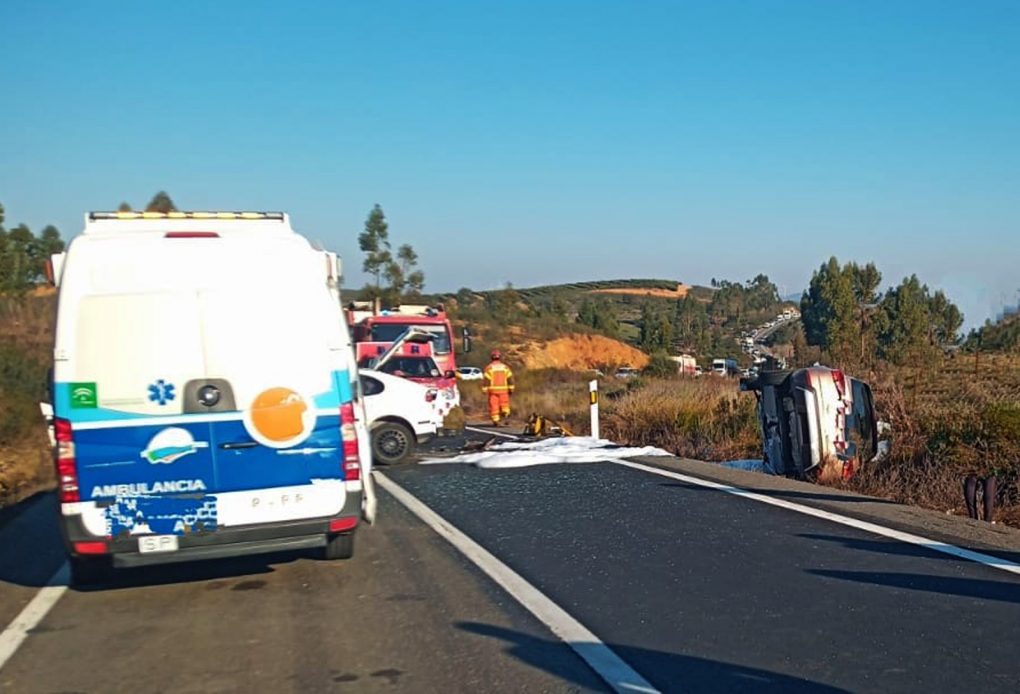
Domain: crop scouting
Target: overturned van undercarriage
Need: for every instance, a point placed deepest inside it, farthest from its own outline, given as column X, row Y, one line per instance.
column 816, row 422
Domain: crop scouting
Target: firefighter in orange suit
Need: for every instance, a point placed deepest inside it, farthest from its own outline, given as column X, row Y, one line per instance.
column 499, row 383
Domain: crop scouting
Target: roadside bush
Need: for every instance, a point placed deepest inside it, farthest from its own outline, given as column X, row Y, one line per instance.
column 661, row 366
column 22, row 387
column 25, row 466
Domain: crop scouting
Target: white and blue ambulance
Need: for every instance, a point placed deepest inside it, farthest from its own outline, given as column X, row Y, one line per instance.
column 204, row 392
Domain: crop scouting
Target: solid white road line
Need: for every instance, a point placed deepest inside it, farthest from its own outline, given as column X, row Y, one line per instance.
column 16, row 632
column 491, row 433
column 909, row 538
column 609, row 666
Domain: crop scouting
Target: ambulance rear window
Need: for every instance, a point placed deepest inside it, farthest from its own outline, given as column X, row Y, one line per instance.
column 127, row 343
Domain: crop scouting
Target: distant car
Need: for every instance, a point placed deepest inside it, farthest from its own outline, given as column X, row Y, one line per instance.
column 627, row 372
column 469, row 373
column 401, row 414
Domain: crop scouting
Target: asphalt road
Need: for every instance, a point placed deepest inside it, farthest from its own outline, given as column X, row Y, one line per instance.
column 408, row 614
column 695, row 589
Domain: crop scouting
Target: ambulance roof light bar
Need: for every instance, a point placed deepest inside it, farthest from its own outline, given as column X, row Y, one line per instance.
column 274, row 216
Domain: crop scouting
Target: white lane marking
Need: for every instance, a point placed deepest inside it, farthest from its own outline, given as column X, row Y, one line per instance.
column 491, row 433
column 909, row 538
column 609, row 666
column 17, row 631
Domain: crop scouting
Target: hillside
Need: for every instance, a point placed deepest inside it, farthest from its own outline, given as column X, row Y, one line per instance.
column 654, row 315
column 578, row 353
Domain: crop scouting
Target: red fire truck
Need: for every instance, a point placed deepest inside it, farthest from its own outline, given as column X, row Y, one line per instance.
column 374, row 332
column 372, row 329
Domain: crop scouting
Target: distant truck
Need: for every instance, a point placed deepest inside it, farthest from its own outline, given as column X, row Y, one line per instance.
column 686, row 365
column 725, row 367
column 815, row 422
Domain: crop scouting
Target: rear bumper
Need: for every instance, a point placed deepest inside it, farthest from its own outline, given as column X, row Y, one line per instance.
column 219, row 544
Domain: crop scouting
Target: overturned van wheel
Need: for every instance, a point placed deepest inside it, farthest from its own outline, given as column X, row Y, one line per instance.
column 392, row 443
column 90, row 571
column 339, row 547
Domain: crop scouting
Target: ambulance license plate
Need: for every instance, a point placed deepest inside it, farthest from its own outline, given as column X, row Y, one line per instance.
column 157, row 543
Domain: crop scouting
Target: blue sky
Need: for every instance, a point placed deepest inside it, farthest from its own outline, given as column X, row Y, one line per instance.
column 543, row 142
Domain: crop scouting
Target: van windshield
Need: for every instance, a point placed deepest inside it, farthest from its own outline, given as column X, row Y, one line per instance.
column 415, row 367
column 389, row 332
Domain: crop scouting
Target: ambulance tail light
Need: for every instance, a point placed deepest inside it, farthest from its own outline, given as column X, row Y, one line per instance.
column 67, row 466
column 90, row 548
column 431, row 394
column 349, row 434
column 342, row 525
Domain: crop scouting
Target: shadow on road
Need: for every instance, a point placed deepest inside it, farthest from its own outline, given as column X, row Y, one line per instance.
column 198, row 571
column 784, row 494
column 897, row 548
column 667, row 671
column 999, row 591
column 32, row 550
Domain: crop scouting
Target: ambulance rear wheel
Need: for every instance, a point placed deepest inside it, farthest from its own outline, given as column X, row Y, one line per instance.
column 392, row 443
column 339, row 546
column 90, row 571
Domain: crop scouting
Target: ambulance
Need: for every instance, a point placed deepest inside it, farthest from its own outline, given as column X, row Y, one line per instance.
column 204, row 392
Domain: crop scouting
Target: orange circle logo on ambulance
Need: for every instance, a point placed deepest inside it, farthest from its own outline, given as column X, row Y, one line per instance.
column 279, row 417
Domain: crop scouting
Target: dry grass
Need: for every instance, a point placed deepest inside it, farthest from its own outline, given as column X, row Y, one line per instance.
column 26, row 342
column 680, row 292
column 25, row 468
column 559, row 394
column 705, row 418
column 957, row 417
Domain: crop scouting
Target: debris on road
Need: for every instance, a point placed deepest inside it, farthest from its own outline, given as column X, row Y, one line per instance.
column 747, row 466
column 573, row 449
column 541, row 426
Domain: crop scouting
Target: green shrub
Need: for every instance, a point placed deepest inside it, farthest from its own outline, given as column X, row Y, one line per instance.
column 661, row 366
column 22, row 387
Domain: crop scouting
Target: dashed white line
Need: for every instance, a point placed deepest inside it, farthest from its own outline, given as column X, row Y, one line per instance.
column 609, row 666
column 16, row 632
column 909, row 538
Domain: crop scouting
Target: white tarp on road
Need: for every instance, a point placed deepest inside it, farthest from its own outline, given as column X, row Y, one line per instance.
column 569, row 449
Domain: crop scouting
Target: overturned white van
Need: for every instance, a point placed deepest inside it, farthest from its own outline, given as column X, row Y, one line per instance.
column 204, row 392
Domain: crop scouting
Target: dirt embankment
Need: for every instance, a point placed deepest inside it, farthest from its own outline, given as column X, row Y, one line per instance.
column 579, row 352
column 678, row 293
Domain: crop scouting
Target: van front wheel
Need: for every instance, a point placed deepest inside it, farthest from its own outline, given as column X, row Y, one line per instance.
column 392, row 443
column 339, row 546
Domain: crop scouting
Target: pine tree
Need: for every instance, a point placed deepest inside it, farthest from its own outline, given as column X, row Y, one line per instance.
column 375, row 243
column 161, row 202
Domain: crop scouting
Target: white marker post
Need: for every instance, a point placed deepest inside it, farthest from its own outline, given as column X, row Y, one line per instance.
column 593, row 395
